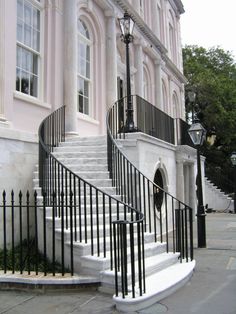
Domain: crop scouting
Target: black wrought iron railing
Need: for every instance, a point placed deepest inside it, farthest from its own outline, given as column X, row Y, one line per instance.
column 151, row 120
column 170, row 220
column 20, row 248
column 220, row 178
column 87, row 204
column 182, row 135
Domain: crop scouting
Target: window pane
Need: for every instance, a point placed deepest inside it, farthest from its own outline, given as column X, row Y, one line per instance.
column 35, row 45
column 35, row 64
column 86, row 107
column 24, row 82
column 82, row 50
column 88, row 53
column 20, row 9
column 81, row 86
column 27, row 11
column 18, row 56
column 82, row 67
column 36, row 19
column 86, row 89
column 80, row 103
column 20, row 31
column 26, row 60
column 27, row 39
column 18, row 78
column 83, row 29
column 88, row 70
column 33, row 85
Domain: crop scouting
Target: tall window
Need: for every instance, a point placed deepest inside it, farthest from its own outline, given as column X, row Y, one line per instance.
column 84, row 68
column 28, row 48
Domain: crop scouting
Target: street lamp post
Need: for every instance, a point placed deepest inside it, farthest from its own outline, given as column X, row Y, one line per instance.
column 197, row 134
column 233, row 160
column 127, row 26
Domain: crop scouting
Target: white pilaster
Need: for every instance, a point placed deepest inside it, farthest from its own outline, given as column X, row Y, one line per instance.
column 111, row 60
column 70, row 65
column 138, row 63
column 180, row 180
column 158, row 89
column 155, row 23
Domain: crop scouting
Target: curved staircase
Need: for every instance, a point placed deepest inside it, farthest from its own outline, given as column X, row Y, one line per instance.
column 100, row 228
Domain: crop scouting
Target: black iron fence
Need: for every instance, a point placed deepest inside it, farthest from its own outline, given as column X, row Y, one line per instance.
column 220, row 178
column 170, row 220
column 151, row 120
column 147, row 118
column 28, row 232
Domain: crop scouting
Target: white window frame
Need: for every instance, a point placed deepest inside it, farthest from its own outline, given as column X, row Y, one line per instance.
column 38, row 5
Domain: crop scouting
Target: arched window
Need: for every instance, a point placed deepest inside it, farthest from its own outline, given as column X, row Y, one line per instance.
column 84, row 68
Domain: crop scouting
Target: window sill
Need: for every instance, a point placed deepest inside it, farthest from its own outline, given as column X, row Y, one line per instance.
column 31, row 100
column 87, row 118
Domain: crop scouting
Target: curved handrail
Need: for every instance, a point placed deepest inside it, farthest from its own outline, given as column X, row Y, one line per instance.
column 120, row 165
column 56, row 179
column 49, row 151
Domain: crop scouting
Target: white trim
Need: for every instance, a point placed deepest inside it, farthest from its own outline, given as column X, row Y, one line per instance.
column 30, row 99
column 87, row 118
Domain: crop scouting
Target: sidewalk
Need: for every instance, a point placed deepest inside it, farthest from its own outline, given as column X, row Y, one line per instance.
column 212, row 289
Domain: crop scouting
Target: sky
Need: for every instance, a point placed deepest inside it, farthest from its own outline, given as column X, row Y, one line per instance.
column 209, row 23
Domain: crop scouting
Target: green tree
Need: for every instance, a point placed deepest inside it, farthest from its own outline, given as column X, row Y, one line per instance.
column 211, row 74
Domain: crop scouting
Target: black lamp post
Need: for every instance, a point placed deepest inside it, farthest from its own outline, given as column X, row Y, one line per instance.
column 127, row 26
column 197, row 134
column 233, row 160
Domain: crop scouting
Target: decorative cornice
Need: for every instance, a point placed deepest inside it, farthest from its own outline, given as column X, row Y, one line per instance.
column 148, row 33
column 179, row 6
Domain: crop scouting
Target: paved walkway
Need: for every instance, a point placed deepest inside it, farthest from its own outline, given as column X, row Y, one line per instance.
column 212, row 289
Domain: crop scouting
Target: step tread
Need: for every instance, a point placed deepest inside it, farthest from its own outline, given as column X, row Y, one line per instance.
column 169, row 280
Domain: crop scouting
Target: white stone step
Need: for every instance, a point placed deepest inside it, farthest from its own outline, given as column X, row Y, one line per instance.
column 153, row 264
column 83, row 161
column 84, row 248
column 73, row 154
column 97, row 148
column 86, row 141
column 94, row 264
column 158, row 286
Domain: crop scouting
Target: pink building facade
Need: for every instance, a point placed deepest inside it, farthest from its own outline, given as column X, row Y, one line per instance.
column 55, row 52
